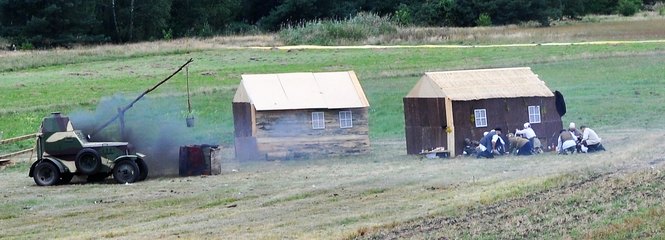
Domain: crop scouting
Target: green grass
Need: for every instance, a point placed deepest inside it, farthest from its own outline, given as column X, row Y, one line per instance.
column 386, row 75
column 374, row 191
column 21, row 167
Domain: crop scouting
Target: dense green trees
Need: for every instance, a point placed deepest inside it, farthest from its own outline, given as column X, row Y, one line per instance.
column 46, row 23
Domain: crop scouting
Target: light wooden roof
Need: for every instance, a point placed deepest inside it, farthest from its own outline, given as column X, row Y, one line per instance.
column 325, row 90
column 467, row 85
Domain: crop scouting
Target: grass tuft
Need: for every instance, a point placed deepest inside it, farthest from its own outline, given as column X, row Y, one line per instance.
column 294, row 197
column 218, row 202
column 374, row 191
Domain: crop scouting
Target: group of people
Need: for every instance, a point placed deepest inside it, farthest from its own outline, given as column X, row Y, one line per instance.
column 525, row 142
column 583, row 140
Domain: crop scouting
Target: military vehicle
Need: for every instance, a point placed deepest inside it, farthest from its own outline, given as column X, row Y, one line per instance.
column 63, row 152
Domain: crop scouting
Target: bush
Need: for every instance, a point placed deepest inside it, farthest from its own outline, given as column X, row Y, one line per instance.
column 403, row 15
column 337, row 32
column 661, row 10
column 167, row 34
column 629, row 7
column 26, row 46
column 484, row 20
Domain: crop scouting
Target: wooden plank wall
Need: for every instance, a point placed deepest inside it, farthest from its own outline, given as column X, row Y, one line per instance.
column 288, row 134
column 296, row 123
column 243, row 119
column 425, row 124
column 508, row 114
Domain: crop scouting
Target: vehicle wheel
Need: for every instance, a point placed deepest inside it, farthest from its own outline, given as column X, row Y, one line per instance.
column 143, row 169
column 126, row 171
column 46, row 174
column 65, row 178
column 88, row 161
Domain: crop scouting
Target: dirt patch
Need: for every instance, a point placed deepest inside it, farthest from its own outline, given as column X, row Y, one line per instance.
column 82, row 73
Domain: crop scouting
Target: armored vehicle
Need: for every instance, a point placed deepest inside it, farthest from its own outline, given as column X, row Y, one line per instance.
column 63, row 152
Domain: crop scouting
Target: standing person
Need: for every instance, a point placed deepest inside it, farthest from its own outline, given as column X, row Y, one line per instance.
column 521, row 145
column 528, row 133
column 566, row 142
column 591, row 140
column 489, row 143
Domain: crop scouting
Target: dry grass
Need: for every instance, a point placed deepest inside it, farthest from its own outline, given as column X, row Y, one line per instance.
column 18, row 60
column 594, row 28
column 325, row 198
column 606, row 29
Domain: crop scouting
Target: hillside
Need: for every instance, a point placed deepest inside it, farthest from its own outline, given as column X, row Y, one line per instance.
column 614, row 87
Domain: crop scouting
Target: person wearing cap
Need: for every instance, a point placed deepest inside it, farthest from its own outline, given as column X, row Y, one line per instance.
column 573, row 130
column 489, row 144
column 591, row 140
column 528, row 133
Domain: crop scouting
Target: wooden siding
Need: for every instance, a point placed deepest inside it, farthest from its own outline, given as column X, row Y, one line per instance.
column 423, row 129
column 276, row 148
column 508, row 114
column 243, row 119
column 425, row 124
column 288, row 134
column 294, row 123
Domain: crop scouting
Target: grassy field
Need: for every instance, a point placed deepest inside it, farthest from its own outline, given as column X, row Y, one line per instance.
column 615, row 88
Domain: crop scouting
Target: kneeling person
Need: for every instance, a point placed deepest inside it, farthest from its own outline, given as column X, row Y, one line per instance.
column 566, row 142
column 489, row 144
column 522, row 145
column 591, row 140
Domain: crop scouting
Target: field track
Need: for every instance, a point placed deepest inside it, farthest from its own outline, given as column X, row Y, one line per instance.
column 453, row 46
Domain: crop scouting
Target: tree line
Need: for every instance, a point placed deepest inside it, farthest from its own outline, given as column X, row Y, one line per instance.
column 48, row 23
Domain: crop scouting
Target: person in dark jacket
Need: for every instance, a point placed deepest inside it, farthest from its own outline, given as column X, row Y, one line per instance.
column 489, row 144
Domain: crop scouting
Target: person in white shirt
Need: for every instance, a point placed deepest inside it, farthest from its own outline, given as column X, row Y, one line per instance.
column 491, row 144
column 591, row 140
column 527, row 133
column 566, row 142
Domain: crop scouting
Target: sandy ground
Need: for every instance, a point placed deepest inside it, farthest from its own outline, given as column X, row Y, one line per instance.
column 305, row 199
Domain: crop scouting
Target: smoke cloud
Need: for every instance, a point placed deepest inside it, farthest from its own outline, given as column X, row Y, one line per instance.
column 155, row 127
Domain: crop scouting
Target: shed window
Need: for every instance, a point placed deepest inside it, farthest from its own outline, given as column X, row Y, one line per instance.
column 345, row 119
column 481, row 117
column 318, row 121
column 534, row 114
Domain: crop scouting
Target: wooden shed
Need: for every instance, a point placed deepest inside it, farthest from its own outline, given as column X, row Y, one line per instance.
column 444, row 108
column 300, row 115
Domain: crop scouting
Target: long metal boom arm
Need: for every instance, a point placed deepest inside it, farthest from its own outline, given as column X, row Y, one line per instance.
column 130, row 105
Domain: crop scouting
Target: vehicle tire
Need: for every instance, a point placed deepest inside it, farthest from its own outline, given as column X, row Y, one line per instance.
column 65, row 178
column 143, row 169
column 126, row 171
column 46, row 174
column 88, row 161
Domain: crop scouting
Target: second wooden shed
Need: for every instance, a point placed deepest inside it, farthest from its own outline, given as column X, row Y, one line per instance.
column 300, row 115
column 444, row 108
